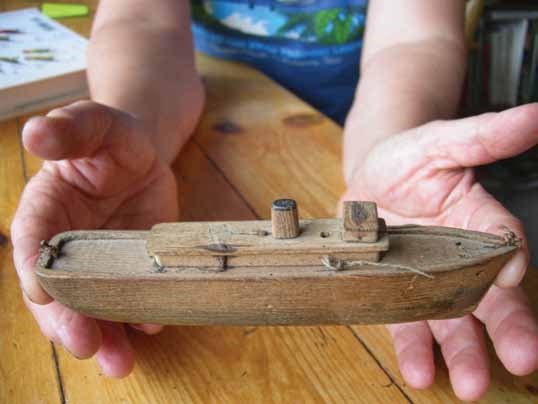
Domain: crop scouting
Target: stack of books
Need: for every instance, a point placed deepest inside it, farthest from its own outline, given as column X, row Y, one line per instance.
column 42, row 63
column 503, row 65
column 503, row 73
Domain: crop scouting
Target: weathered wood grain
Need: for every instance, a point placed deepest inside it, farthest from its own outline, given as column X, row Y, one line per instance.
column 250, row 243
column 27, row 368
column 429, row 273
column 285, row 219
column 360, row 221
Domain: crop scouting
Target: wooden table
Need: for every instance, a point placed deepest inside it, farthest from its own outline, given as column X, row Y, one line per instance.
column 255, row 143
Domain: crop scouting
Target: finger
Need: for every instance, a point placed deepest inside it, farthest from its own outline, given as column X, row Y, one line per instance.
column 25, row 256
column 149, row 329
column 413, row 346
column 115, row 356
column 463, row 347
column 78, row 130
column 489, row 215
column 43, row 321
column 42, row 212
column 39, row 215
column 514, row 270
column 73, row 131
column 513, row 328
column 502, row 222
column 482, row 139
column 77, row 333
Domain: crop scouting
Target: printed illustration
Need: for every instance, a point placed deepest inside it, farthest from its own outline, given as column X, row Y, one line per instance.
column 335, row 23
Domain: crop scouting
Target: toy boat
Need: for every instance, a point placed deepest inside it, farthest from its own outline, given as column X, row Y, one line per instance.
column 284, row 271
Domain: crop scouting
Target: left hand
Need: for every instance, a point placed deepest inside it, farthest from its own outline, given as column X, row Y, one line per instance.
column 425, row 176
column 101, row 171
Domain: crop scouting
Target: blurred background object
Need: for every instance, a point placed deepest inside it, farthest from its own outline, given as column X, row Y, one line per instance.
column 502, row 37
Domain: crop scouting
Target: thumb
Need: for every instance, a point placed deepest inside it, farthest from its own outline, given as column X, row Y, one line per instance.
column 485, row 138
column 75, row 131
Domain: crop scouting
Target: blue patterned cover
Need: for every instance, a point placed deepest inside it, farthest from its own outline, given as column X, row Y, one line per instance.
column 311, row 47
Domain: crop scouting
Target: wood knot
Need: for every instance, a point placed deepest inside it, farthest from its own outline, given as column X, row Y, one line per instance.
column 3, row 240
column 227, row 127
column 303, row 120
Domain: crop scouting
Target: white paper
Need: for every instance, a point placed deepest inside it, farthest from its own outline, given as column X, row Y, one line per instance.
column 38, row 32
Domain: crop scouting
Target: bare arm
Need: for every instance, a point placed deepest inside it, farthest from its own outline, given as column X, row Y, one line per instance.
column 108, row 166
column 412, row 71
column 422, row 172
column 141, row 60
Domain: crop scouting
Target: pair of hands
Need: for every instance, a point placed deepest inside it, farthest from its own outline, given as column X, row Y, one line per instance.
column 102, row 171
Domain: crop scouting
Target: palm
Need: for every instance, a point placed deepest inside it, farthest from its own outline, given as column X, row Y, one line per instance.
column 108, row 197
column 425, row 193
column 425, row 176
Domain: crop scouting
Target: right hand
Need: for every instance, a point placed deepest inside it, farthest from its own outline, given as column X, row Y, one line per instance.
column 101, row 171
column 425, row 175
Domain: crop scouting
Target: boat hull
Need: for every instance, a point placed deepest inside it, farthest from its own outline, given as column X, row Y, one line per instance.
column 108, row 275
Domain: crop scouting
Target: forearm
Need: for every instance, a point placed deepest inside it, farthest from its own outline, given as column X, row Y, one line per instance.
column 400, row 88
column 412, row 70
column 146, row 67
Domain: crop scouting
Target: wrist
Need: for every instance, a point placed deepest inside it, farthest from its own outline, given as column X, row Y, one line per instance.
column 167, row 133
column 172, row 128
column 170, row 124
column 159, row 87
column 402, row 87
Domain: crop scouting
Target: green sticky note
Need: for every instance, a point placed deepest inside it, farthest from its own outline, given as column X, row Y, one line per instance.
column 63, row 10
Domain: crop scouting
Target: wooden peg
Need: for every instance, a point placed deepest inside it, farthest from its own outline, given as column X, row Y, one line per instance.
column 360, row 222
column 284, row 219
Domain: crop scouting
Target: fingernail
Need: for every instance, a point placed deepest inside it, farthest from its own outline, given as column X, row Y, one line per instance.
column 62, row 334
column 149, row 329
column 152, row 329
column 28, row 129
column 57, row 112
column 71, row 353
column 513, row 272
column 29, row 123
column 137, row 327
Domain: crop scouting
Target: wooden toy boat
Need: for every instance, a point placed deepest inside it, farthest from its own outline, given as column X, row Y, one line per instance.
column 279, row 272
